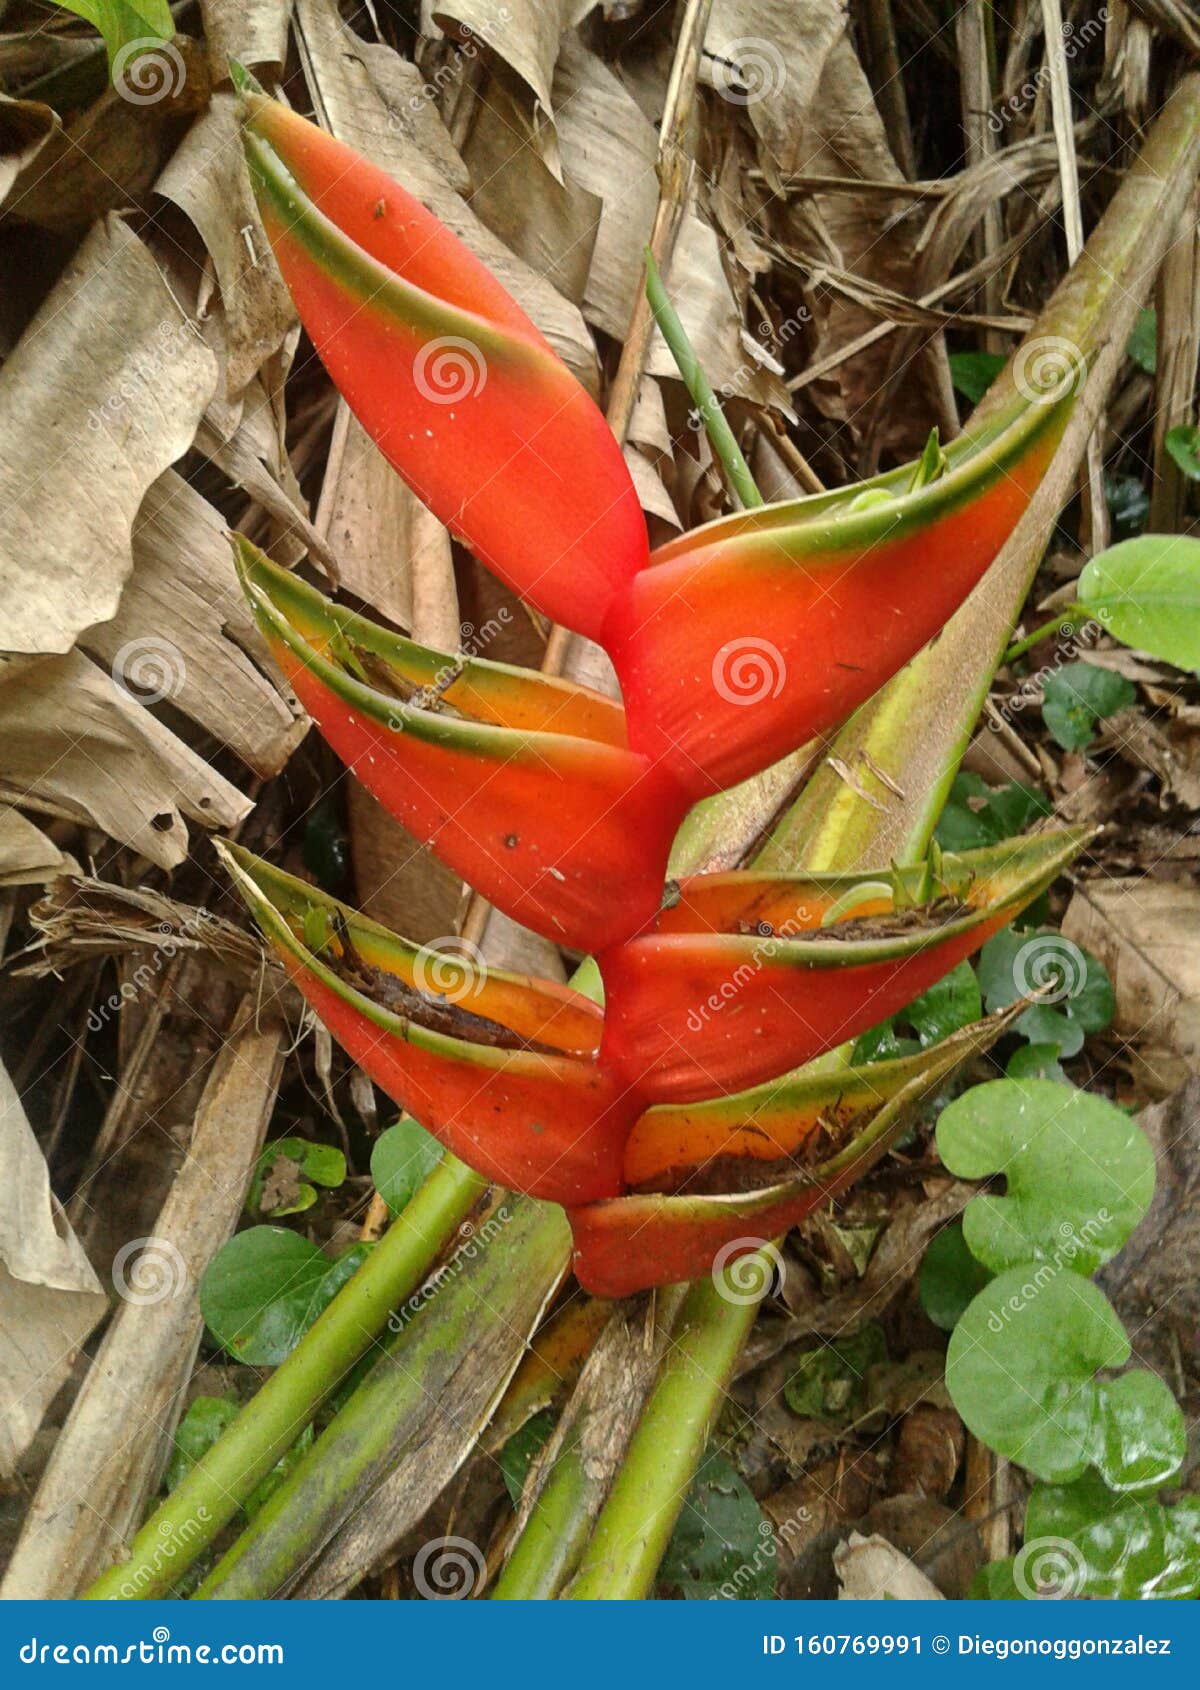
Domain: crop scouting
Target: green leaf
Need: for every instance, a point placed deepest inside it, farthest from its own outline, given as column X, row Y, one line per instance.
column 279, row 1184
column 1143, row 342
column 1146, row 592
column 974, row 372
column 1079, row 1173
column 263, row 1290
column 1077, row 696
column 403, row 1158
column 124, row 23
column 978, row 814
column 527, row 1441
column 1128, row 504
column 326, row 848
column 829, row 1382
column 950, row 1277
column 952, row 1003
column 1036, row 1062
column 206, row 1420
column 723, row 1545
column 1183, row 443
column 1108, row 1546
column 1021, row 1369
column 1074, row 992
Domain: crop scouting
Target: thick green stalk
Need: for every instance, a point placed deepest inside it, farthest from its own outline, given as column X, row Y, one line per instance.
column 699, row 388
column 1093, row 310
column 190, row 1518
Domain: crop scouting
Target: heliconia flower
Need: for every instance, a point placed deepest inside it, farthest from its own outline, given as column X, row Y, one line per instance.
column 521, row 782
column 446, row 372
column 501, row 1068
column 747, row 637
column 822, row 1133
column 745, row 975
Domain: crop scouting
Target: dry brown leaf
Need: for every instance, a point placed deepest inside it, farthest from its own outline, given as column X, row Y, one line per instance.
column 254, row 32
column 77, row 744
column 25, row 127
column 28, row 857
column 524, row 33
column 183, row 629
column 1147, row 935
column 870, row 1569
column 103, row 393
column 50, row 1299
column 207, row 179
column 768, row 56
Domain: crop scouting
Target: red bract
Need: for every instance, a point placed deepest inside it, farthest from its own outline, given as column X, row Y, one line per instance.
column 521, row 783
column 447, row 374
column 747, row 975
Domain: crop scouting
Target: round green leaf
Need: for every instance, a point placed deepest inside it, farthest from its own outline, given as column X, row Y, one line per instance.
column 1036, row 1062
column 287, row 1172
column 1021, row 1363
column 263, row 1290
column 1077, row 696
column 1079, row 1173
column 207, row 1418
column 1111, row 1547
column 723, row 1546
column 403, row 1158
column 1147, row 592
column 1183, row 444
column 950, row 1277
column 1144, row 1438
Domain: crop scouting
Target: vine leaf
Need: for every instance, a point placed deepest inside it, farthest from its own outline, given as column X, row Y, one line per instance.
column 1146, row 591
column 1079, row 1171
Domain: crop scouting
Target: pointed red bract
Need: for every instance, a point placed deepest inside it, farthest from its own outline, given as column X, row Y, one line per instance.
column 447, row 374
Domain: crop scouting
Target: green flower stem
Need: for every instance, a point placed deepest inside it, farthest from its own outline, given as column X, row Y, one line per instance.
column 190, row 1518
column 737, row 470
column 1066, row 622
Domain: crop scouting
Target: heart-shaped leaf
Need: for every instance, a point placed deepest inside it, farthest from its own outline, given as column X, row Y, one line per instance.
column 1077, row 696
column 1075, row 995
column 402, row 1157
column 288, row 1172
column 1112, row 1546
column 1080, row 1173
column 1021, row 1372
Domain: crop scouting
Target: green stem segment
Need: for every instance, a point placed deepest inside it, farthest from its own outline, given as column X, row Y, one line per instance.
column 190, row 1518
column 737, row 470
column 1067, row 622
